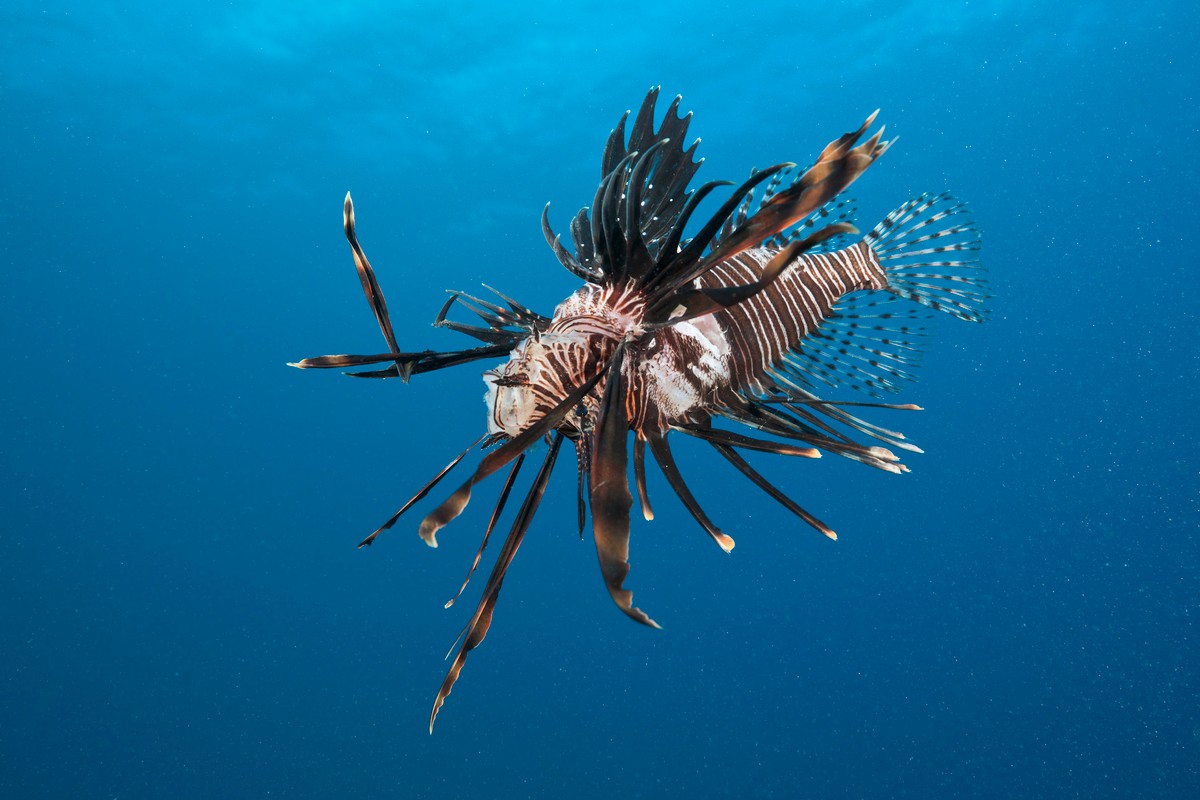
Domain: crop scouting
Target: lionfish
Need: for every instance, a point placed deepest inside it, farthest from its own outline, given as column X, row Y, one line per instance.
column 737, row 322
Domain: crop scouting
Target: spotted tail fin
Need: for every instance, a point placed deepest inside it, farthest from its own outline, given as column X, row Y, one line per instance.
column 928, row 249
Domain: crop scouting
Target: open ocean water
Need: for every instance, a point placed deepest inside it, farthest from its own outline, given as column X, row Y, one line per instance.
column 183, row 612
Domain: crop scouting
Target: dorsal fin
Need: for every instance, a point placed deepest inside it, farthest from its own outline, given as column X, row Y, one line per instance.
column 608, row 244
column 634, row 229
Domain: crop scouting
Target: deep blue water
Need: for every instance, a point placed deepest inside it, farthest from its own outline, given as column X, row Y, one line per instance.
column 184, row 613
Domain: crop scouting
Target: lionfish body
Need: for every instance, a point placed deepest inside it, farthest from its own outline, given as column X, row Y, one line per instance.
column 678, row 372
column 736, row 323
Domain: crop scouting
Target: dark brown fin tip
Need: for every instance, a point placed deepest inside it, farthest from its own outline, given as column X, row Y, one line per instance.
column 481, row 621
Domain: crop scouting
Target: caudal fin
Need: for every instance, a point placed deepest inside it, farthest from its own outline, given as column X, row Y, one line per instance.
column 928, row 249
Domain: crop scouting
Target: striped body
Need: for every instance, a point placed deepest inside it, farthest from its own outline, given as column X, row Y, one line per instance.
column 763, row 329
column 674, row 373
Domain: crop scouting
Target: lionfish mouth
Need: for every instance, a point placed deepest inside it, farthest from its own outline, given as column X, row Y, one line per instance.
column 738, row 323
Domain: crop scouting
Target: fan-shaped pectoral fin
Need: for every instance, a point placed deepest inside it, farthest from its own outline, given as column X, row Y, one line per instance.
column 610, row 496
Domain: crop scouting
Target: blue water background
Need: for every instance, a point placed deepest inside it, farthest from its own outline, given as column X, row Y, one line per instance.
column 182, row 610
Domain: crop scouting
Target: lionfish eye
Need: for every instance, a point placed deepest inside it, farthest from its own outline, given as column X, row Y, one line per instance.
column 581, row 411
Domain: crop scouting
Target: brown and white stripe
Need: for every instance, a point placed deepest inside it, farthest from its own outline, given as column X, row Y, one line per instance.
column 766, row 327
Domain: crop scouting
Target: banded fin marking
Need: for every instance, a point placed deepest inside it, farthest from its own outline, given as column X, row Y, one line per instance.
column 862, row 344
column 955, row 285
column 834, row 212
